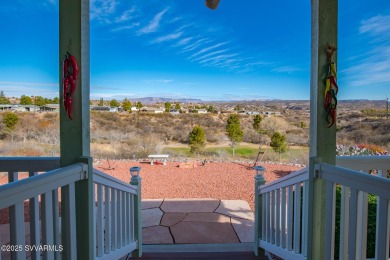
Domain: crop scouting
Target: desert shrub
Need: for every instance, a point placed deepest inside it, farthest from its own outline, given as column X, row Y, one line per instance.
column 251, row 136
column 294, row 138
column 275, row 124
column 10, row 120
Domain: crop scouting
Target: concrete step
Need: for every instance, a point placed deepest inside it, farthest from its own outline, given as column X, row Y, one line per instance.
column 204, row 255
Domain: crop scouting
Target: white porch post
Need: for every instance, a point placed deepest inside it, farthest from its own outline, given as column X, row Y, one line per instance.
column 322, row 139
column 75, row 134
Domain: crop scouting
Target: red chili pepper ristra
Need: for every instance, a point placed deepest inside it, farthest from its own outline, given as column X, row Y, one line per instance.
column 69, row 102
column 72, row 84
column 66, row 91
column 65, row 67
column 70, row 71
column 75, row 68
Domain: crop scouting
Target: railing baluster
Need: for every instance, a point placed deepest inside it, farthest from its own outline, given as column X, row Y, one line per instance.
column 132, row 216
column 382, row 229
column 284, row 213
column 68, row 212
column 330, row 219
column 119, row 220
column 277, row 220
column 297, row 219
column 305, row 217
column 47, row 223
column 16, row 217
column 56, row 225
column 113, row 220
column 107, row 222
column 267, row 216
column 272, row 217
column 124, row 226
column 290, row 218
column 34, row 224
column 128, row 215
column 352, row 225
column 344, row 222
column 99, row 220
column 361, row 235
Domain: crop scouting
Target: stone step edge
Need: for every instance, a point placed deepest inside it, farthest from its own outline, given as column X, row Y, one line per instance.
column 179, row 248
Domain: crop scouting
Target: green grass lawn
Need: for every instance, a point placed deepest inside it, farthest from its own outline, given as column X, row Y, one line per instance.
column 298, row 155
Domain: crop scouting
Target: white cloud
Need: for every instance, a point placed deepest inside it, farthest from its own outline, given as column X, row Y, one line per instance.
column 126, row 15
column 168, row 37
column 195, row 45
column 102, row 10
column 184, row 41
column 373, row 66
column 376, row 25
column 219, row 58
column 126, row 27
column 207, row 49
column 154, row 23
column 210, row 54
column 287, row 69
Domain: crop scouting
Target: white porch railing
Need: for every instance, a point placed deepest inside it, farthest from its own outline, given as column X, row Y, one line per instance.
column 282, row 224
column 40, row 189
column 118, row 221
column 117, row 218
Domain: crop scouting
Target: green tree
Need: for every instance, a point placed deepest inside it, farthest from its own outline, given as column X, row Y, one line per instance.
column 197, row 139
column 39, row 101
column 3, row 99
column 114, row 103
column 278, row 143
column 234, row 131
column 126, row 104
column 56, row 100
column 257, row 122
column 167, row 106
column 177, row 106
column 25, row 100
column 101, row 102
column 139, row 105
column 211, row 109
column 10, row 120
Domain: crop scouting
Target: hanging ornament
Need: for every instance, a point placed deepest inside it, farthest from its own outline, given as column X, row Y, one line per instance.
column 70, row 74
column 331, row 88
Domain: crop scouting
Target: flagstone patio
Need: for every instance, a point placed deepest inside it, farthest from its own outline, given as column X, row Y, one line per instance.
column 196, row 221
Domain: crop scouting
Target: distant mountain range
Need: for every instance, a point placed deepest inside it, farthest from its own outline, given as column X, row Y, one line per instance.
column 153, row 100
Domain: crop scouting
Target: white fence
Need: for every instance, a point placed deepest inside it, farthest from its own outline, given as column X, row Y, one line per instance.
column 282, row 219
column 38, row 189
column 117, row 212
column 117, row 217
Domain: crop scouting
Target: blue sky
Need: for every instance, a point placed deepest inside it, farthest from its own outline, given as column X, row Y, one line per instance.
column 181, row 49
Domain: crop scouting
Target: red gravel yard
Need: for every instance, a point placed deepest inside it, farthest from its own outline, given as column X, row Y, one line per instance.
column 217, row 180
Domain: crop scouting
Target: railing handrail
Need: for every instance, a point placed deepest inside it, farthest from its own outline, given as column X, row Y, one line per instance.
column 292, row 178
column 15, row 192
column 29, row 164
column 361, row 181
column 107, row 180
column 363, row 162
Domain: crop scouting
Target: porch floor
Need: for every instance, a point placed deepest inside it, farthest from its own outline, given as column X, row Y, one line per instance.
column 196, row 221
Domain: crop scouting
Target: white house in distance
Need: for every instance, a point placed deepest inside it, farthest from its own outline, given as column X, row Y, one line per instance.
column 202, row 111
column 155, row 110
